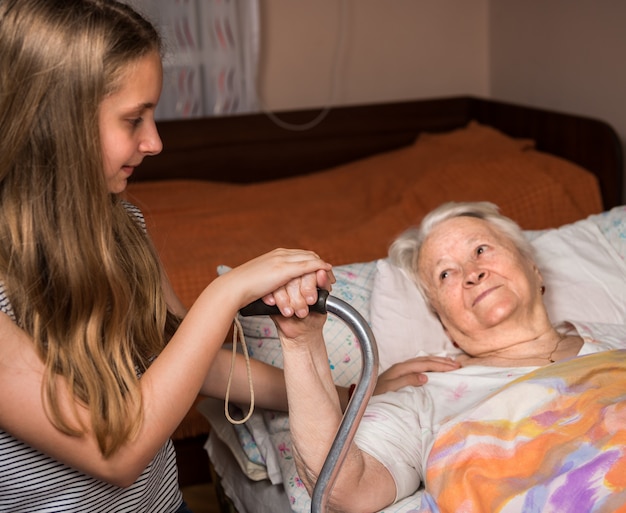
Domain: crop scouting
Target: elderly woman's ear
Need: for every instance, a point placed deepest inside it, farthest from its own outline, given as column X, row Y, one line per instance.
column 542, row 287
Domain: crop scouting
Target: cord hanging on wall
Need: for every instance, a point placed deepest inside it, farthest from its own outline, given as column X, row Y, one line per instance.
column 339, row 47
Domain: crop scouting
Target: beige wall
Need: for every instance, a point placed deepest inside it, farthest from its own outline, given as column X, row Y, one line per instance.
column 329, row 52
column 568, row 55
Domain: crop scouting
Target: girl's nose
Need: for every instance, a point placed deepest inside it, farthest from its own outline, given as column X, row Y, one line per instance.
column 151, row 144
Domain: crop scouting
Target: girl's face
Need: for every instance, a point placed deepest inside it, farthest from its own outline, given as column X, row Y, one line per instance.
column 127, row 128
column 478, row 282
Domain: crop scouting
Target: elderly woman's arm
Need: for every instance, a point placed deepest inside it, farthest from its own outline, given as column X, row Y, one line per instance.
column 363, row 483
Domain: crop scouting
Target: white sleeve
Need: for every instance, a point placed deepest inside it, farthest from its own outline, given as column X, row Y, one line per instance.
column 390, row 432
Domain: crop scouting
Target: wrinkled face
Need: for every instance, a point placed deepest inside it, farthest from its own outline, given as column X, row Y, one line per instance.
column 126, row 118
column 478, row 282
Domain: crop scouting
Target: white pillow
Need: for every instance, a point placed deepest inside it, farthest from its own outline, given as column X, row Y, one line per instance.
column 404, row 327
column 585, row 277
column 585, row 280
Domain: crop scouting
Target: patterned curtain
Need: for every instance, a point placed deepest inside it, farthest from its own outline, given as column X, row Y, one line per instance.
column 212, row 50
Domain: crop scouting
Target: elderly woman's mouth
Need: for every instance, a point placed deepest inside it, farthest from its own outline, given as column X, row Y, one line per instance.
column 484, row 294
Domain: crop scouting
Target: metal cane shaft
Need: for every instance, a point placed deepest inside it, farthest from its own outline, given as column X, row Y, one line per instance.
column 360, row 397
column 357, row 405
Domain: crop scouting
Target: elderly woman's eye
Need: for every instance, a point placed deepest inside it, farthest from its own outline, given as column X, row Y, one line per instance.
column 443, row 275
column 480, row 250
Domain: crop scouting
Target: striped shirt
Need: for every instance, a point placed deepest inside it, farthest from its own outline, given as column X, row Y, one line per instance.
column 31, row 481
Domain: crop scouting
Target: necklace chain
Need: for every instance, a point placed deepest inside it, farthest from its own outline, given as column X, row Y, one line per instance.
column 549, row 357
column 558, row 343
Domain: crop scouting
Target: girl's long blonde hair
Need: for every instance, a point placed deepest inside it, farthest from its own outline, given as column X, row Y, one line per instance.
column 81, row 275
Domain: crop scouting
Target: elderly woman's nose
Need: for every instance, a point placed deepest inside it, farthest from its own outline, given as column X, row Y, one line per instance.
column 474, row 274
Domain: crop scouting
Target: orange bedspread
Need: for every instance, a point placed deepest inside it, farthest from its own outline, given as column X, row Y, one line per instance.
column 352, row 212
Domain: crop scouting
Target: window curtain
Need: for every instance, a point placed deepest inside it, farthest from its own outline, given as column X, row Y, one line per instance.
column 211, row 56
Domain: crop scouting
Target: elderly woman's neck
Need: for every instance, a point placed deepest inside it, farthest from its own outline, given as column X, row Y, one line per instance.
column 548, row 347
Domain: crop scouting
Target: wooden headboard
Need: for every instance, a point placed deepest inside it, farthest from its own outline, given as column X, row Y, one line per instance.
column 252, row 148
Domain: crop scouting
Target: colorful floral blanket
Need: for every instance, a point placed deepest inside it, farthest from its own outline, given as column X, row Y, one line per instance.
column 552, row 441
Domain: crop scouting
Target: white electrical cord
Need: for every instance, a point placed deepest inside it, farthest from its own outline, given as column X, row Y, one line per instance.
column 334, row 81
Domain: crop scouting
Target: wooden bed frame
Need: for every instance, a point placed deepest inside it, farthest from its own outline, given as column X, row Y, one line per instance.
column 252, row 148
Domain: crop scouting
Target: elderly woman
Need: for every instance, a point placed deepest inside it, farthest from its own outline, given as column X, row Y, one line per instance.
column 475, row 268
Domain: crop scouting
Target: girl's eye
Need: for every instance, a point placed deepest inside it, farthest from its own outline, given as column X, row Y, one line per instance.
column 135, row 121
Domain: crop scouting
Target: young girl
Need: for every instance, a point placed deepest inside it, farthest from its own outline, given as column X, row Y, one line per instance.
column 96, row 366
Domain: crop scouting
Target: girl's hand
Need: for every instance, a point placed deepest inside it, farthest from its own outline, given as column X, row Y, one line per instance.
column 411, row 372
column 287, row 278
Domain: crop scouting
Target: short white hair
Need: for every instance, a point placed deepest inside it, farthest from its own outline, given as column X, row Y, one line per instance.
column 404, row 252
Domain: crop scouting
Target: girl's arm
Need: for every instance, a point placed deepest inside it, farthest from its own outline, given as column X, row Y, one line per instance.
column 268, row 381
column 169, row 386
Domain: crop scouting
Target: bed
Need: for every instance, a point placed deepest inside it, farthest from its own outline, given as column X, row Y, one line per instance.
column 227, row 189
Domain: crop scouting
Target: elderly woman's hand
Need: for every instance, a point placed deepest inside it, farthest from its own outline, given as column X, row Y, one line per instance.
column 411, row 372
column 295, row 330
column 295, row 297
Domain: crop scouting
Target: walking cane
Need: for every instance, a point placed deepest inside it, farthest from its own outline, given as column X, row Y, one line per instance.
column 354, row 412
